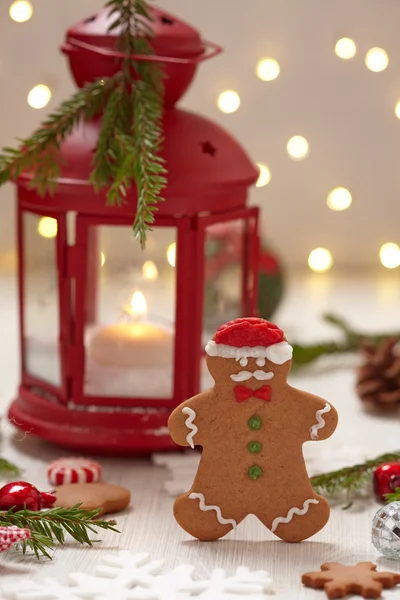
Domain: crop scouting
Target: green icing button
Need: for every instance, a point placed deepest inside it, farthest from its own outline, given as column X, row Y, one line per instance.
column 254, row 423
column 254, row 447
column 255, row 472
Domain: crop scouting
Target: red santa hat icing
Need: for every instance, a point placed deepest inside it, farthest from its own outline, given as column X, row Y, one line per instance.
column 250, row 337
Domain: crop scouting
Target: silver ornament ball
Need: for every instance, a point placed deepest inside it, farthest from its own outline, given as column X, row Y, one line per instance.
column 386, row 530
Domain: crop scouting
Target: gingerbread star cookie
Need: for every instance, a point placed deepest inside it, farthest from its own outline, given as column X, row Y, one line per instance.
column 339, row 580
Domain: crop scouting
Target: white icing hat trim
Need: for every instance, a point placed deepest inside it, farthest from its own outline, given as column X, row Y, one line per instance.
column 276, row 353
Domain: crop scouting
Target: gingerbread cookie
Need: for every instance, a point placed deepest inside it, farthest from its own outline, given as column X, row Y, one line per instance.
column 338, row 580
column 252, row 426
column 109, row 498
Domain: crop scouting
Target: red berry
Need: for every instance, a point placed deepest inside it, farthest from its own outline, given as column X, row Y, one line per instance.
column 386, row 480
column 20, row 494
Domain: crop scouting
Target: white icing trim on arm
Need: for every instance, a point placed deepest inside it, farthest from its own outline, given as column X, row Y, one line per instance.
column 320, row 421
column 293, row 511
column 190, row 425
column 204, row 507
column 277, row 353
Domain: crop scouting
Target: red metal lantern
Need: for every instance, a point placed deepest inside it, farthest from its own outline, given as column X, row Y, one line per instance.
column 108, row 352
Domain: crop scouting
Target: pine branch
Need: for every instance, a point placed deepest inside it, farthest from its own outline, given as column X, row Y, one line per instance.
column 350, row 479
column 38, row 154
column 106, row 157
column 393, row 497
column 49, row 527
column 304, row 354
column 307, row 353
column 140, row 145
column 148, row 167
column 124, row 173
column 8, row 469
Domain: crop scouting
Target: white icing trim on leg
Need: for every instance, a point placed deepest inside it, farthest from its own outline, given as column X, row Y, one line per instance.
column 320, row 421
column 190, row 425
column 203, row 506
column 292, row 512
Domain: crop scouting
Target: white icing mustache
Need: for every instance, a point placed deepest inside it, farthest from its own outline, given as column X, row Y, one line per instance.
column 245, row 375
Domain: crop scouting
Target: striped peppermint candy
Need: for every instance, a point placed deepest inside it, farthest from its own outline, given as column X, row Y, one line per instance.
column 73, row 470
column 12, row 535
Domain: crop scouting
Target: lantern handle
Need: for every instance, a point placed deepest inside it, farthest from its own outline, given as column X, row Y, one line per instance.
column 211, row 50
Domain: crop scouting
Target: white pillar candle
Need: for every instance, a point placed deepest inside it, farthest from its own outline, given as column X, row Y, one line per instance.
column 134, row 344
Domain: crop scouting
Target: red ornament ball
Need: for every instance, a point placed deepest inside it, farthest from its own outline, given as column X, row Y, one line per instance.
column 386, row 480
column 21, row 494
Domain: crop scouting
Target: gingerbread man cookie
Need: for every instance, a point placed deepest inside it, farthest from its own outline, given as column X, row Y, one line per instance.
column 252, row 426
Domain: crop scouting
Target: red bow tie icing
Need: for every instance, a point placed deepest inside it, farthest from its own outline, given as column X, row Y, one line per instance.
column 243, row 393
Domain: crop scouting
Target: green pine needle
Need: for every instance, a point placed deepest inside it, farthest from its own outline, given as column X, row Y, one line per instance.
column 8, row 469
column 148, row 167
column 39, row 154
column 48, row 527
column 138, row 134
column 350, row 479
column 130, row 136
column 351, row 341
column 394, row 496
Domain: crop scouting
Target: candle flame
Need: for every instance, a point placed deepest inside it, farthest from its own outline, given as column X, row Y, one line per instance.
column 138, row 305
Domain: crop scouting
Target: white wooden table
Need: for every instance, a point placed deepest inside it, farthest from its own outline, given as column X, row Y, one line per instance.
column 370, row 303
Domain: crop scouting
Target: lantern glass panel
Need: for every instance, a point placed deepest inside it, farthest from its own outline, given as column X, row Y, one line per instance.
column 228, row 278
column 131, row 297
column 41, row 316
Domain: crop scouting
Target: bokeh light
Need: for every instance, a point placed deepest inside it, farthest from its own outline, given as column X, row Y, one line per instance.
column 376, row 60
column 228, row 101
column 265, row 175
column 389, row 255
column 339, row 199
column 320, row 260
column 149, row 270
column 345, row 48
column 171, row 254
column 297, row 147
column 47, row 227
column 267, row 69
column 39, row 96
column 21, row 11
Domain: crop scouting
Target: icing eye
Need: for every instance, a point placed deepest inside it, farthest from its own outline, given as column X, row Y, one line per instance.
column 260, row 362
column 243, row 362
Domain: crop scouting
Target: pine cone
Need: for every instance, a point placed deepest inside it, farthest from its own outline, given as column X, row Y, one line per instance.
column 378, row 379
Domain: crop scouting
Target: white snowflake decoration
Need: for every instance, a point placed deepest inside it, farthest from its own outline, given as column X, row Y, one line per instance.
column 127, row 576
column 182, row 467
